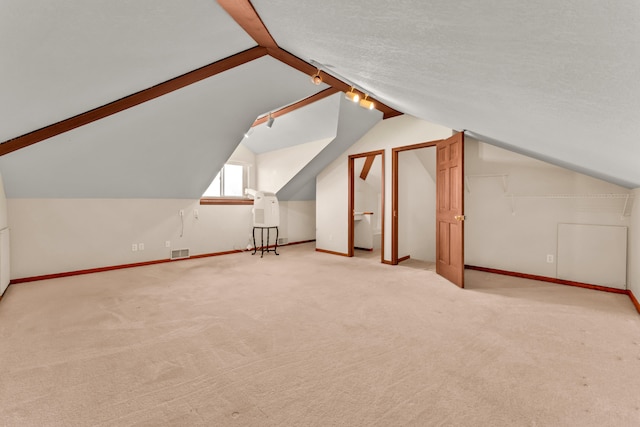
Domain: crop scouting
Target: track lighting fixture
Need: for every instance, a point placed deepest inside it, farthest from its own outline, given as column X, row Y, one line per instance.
column 270, row 121
column 352, row 95
column 365, row 103
column 316, row 79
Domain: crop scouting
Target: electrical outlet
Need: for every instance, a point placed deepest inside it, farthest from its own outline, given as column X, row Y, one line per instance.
column 167, row 244
column 134, row 247
column 550, row 259
column 141, row 246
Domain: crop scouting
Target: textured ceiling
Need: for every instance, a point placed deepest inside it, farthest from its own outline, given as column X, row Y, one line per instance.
column 313, row 122
column 557, row 80
column 353, row 123
column 62, row 58
column 170, row 147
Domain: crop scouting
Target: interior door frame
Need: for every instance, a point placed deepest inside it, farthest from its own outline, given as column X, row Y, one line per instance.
column 394, row 191
column 351, row 203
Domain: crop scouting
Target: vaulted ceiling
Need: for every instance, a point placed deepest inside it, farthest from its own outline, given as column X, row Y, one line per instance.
column 555, row 80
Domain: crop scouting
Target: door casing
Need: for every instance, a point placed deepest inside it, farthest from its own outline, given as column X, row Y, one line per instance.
column 444, row 216
column 351, row 202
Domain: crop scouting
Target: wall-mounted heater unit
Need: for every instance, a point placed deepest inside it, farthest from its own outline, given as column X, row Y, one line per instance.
column 266, row 211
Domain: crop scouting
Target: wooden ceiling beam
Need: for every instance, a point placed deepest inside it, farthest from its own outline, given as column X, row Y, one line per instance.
column 245, row 15
column 367, row 166
column 289, row 108
column 303, row 66
column 243, row 12
column 132, row 100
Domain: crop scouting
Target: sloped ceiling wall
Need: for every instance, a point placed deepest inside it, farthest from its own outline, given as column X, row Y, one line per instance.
column 60, row 59
column 353, row 123
column 312, row 122
column 555, row 79
column 170, row 147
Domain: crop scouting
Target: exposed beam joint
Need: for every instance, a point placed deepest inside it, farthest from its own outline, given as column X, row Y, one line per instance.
column 243, row 12
column 132, row 100
column 245, row 15
column 303, row 66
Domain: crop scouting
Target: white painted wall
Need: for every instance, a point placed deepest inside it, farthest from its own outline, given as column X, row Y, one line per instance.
column 5, row 251
column 416, row 207
column 298, row 220
column 52, row 236
column 589, row 253
column 58, row 235
column 3, row 205
column 634, row 247
column 275, row 168
column 332, row 208
column 332, row 183
column 520, row 241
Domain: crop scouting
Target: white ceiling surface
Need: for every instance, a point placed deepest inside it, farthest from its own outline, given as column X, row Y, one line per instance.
column 557, row 80
column 62, row 58
column 312, row 122
column 353, row 123
column 170, row 147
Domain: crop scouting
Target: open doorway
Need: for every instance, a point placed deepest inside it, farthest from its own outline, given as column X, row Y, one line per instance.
column 366, row 204
column 441, row 188
column 414, row 203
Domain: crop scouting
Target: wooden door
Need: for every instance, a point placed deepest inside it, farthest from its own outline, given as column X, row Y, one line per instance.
column 450, row 209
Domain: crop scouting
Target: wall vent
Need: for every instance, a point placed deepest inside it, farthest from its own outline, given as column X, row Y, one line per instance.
column 282, row 241
column 179, row 253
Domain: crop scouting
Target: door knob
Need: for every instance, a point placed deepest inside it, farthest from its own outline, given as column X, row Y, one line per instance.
column 459, row 217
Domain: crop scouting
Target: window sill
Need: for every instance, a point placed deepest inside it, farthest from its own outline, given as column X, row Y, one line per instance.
column 225, row 201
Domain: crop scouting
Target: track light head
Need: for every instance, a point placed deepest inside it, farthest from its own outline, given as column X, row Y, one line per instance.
column 316, row 79
column 352, row 95
column 270, row 121
column 365, row 103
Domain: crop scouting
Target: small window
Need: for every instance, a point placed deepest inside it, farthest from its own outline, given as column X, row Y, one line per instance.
column 233, row 180
column 229, row 183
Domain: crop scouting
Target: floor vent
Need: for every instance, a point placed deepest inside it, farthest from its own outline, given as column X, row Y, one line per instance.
column 179, row 253
column 283, row 241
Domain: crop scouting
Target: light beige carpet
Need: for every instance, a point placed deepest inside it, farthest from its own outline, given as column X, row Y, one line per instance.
column 311, row 339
